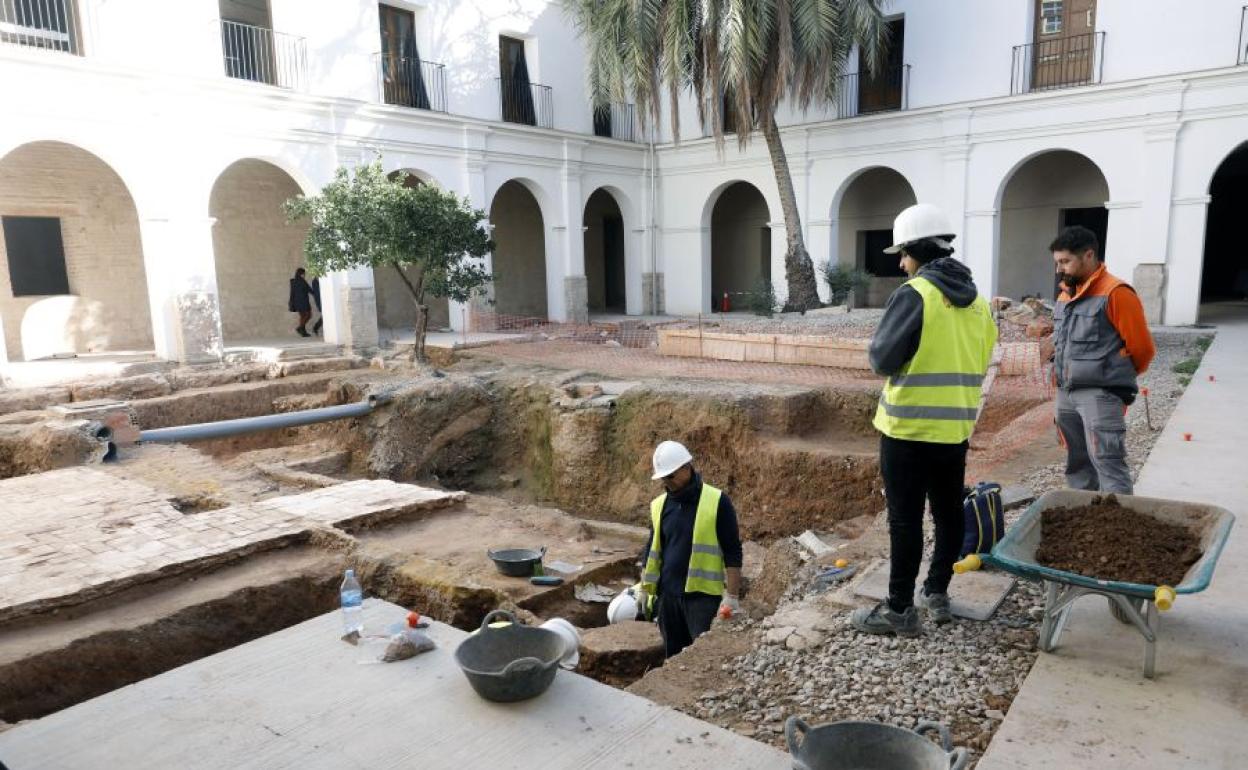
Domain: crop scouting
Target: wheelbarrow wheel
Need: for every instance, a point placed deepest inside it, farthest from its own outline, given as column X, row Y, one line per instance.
column 1121, row 616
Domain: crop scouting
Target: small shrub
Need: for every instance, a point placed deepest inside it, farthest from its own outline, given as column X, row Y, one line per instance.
column 842, row 280
column 1186, row 367
column 1203, row 344
column 762, row 299
column 1185, row 380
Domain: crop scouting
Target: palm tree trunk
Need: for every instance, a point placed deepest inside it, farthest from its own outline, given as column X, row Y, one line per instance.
column 799, row 271
column 422, row 313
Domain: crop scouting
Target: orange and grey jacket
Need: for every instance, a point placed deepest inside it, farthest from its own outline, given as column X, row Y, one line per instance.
column 1100, row 337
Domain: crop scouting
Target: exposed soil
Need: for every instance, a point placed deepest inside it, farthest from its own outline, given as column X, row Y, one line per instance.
column 1108, row 541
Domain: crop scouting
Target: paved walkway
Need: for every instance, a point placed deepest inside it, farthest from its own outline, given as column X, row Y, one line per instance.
column 298, row 698
column 1087, row 705
column 74, row 534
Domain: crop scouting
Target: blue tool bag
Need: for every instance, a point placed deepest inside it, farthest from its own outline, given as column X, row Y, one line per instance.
column 985, row 518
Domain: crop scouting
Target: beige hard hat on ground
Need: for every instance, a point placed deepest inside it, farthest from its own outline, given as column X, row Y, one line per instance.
column 922, row 220
column 669, row 457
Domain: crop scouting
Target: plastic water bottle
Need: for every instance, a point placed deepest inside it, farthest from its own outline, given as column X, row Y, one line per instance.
column 352, row 604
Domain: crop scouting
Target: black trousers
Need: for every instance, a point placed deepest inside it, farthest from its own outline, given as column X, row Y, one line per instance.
column 915, row 471
column 684, row 618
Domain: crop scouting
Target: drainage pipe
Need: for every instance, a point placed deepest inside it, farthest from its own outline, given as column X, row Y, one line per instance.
column 212, row 430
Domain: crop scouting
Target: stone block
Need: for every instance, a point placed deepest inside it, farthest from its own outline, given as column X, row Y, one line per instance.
column 1149, row 282
column 652, row 299
column 576, row 298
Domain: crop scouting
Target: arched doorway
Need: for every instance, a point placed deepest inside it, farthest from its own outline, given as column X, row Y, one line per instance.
column 1224, row 270
column 864, row 219
column 740, row 244
column 396, row 311
column 1050, row 191
column 519, row 254
column 256, row 251
column 70, row 230
column 604, row 253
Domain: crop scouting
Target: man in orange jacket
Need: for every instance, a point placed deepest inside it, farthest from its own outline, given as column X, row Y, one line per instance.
column 1100, row 345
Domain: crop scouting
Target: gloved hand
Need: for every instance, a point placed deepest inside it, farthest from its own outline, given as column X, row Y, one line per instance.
column 729, row 606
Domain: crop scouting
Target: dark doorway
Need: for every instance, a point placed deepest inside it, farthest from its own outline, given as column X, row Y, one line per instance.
column 881, row 90
column 613, row 253
column 1225, row 271
column 604, row 254
column 878, row 263
column 1096, row 219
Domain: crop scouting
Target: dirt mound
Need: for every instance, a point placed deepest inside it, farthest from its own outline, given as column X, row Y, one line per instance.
column 1108, row 541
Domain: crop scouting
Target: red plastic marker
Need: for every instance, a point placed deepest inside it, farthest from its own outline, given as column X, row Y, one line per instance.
column 1187, row 437
column 1211, row 379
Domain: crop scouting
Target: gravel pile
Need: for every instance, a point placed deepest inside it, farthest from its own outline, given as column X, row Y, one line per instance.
column 964, row 674
column 1164, row 389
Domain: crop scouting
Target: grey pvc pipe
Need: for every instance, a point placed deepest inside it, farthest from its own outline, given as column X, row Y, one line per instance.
column 225, row 428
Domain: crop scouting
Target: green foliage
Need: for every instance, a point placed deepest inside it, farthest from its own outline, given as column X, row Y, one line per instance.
column 761, row 300
column 364, row 219
column 1186, row 367
column 1185, row 380
column 842, row 280
column 1203, row 343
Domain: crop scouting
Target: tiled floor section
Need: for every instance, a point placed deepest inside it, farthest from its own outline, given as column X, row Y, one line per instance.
column 74, row 534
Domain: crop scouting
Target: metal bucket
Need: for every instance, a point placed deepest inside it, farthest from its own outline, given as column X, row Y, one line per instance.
column 871, row 746
column 511, row 663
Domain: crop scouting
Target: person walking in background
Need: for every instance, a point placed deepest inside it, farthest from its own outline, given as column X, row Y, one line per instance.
column 301, row 301
column 316, row 298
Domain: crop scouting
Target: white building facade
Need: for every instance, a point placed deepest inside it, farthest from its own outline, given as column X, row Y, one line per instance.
column 145, row 153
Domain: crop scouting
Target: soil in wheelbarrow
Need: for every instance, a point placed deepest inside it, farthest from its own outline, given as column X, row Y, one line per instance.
column 1107, row 541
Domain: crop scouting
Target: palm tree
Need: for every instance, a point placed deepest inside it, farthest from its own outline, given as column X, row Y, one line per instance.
column 758, row 52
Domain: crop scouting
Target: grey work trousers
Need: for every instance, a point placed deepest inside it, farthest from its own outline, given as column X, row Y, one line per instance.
column 1091, row 424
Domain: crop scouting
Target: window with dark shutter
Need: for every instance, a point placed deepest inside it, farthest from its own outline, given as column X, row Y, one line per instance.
column 36, row 256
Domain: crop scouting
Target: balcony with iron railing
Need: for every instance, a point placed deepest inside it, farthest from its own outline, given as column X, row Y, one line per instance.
column 520, row 101
column 51, row 25
column 411, row 82
column 616, row 121
column 866, row 93
column 261, row 55
column 1064, row 62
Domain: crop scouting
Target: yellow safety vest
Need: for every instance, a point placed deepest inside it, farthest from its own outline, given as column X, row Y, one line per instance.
column 706, row 562
column 936, row 396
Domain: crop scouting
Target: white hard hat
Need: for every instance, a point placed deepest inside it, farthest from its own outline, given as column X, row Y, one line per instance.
column 623, row 607
column 669, row 457
column 922, row 220
column 571, row 641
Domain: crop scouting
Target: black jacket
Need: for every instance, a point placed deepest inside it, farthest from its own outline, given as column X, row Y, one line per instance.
column 300, row 296
column 679, row 511
column 896, row 339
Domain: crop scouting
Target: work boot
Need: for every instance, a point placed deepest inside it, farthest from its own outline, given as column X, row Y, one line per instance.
column 881, row 619
column 302, row 331
column 937, row 606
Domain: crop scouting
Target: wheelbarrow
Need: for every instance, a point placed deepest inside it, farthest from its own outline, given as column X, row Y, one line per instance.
column 854, row 745
column 1137, row 604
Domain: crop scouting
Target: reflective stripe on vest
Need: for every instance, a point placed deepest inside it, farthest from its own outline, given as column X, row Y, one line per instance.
column 936, row 397
column 706, row 559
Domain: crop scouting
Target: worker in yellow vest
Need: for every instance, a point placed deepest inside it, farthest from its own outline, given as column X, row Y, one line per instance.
column 692, row 560
column 934, row 344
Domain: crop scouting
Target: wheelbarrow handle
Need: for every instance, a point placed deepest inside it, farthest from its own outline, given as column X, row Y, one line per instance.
column 792, row 727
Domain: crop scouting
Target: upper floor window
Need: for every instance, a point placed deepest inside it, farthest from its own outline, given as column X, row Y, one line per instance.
column 49, row 24
column 36, row 256
column 1050, row 17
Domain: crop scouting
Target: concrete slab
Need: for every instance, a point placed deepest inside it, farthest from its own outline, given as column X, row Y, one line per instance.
column 298, row 699
column 974, row 595
column 1086, row 705
column 361, row 503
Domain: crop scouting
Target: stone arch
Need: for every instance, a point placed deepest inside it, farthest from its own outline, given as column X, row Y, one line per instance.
column 866, row 205
column 75, row 232
column 739, row 256
column 606, row 244
column 519, row 264
column 256, row 251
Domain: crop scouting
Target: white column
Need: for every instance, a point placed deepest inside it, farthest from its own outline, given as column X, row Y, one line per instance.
column 472, row 314
column 820, row 244
column 686, row 270
column 182, row 285
column 980, row 250
column 779, row 274
column 351, row 309
column 1126, row 238
column 1187, row 236
column 569, row 282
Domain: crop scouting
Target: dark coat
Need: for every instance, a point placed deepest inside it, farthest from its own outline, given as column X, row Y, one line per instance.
column 300, row 296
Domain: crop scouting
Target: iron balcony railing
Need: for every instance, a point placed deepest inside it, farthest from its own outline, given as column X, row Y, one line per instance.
column 616, row 121
column 864, row 93
column 412, row 82
column 48, row 24
column 523, row 102
column 1060, row 63
column 1242, row 53
column 264, row 56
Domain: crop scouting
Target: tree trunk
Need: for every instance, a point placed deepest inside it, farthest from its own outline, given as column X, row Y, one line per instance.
column 422, row 312
column 799, row 271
